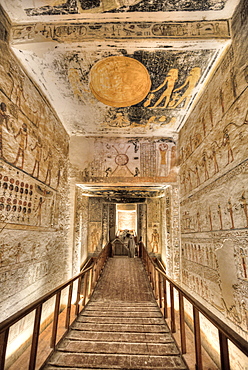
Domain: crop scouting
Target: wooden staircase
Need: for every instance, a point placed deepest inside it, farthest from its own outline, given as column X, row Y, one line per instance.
column 120, row 328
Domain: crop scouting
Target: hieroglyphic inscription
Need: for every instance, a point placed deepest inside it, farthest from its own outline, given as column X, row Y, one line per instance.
column 148, row 159
column 24, row 200
column 88, row 31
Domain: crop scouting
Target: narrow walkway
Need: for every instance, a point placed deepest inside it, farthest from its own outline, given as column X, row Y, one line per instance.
column 121, row 327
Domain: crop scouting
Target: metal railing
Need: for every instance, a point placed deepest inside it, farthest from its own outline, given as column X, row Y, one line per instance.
column 86, row 282
column 159, row 282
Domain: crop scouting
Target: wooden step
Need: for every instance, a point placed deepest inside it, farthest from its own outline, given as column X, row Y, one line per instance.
column 121, row 328
column 117, row 336
column 80, row 346
column 116, row 361
column 114, row 333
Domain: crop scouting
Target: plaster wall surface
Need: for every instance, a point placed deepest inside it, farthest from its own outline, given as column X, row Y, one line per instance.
column 34, row 250
column 213, row 187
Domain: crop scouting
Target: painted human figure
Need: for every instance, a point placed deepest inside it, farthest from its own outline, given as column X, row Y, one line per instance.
column 95, row 237
column 226, row 142
column 190, row 82
column 221, row 95
column 38, row 156
column 220, row 216
column 137, row 172
column 33, row 249
column 243, row 205
column 173, row 157
column 205, row 164
column 189, row 179
column 169, row 82
column 198, row 221
column 155, row 241
column 23, row 133
column 49, row 160
column 210, row 219
column 243, row 261
column 75, row 81
column 183, row 180
column 1, row 254
column 120, row 121
column 4, row 118
column 18, row 252
column 214, row 157
column 77, row 6
column 163, row 149
column 196, row 172
column 38, row 211
column 230, row 210
column 18, row 85
column 60, row 171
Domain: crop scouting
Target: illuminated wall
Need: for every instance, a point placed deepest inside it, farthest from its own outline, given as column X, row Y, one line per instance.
column 213, row 183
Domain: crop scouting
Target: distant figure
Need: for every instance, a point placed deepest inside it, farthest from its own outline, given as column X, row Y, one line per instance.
column 131, row 246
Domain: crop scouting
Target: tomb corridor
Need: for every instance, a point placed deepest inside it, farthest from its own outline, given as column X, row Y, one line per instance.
column 123, row 164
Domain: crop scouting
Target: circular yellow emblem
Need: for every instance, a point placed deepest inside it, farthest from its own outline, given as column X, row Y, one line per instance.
column 119, row 81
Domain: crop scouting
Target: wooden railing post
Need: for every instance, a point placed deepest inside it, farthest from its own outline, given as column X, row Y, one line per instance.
column 156, row 284
column 35, row 338
column 197, row 334
column 165, row 299
column 78, row 296
column 55, row 320
column 90, row 283
column 3, row 346
column 68, row 309
column 173, row 321
column 182, row 323
column 85, row 289
column 224, row 353
column 160, row 282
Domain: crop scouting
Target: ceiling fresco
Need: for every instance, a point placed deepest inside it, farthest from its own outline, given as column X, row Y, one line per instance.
column 100, row 6
column 167, row 50
column 171, row 79
column 122, row 193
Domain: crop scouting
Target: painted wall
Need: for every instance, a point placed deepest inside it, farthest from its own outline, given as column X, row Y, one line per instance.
column 33, row 192
column 130, row 160
column 214, row 190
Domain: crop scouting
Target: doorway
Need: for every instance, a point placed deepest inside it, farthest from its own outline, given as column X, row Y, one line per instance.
column 126, row 218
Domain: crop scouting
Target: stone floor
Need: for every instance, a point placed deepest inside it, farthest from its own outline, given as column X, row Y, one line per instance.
column 120, row 328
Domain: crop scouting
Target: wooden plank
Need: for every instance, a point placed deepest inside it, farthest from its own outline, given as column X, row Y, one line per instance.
column 224, row 353
column 182, row 324
column 160, row 282
column 68, row 309
column 78, row 296
column 173, row 319
column 35, row 338
column 85, row 289
column 165, row 299
column 55, row 320
column 3, row 346
column 198, row 351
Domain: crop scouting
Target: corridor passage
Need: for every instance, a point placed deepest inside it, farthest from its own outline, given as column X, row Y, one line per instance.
column 121, row 327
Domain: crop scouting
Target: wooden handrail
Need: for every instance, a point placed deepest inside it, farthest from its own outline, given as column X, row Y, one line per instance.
column 95, row 268
column 31, row 307
column 225, row 332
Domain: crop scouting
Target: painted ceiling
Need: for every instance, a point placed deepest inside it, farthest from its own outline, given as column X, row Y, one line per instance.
column 124, row 194
column 120, row 67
